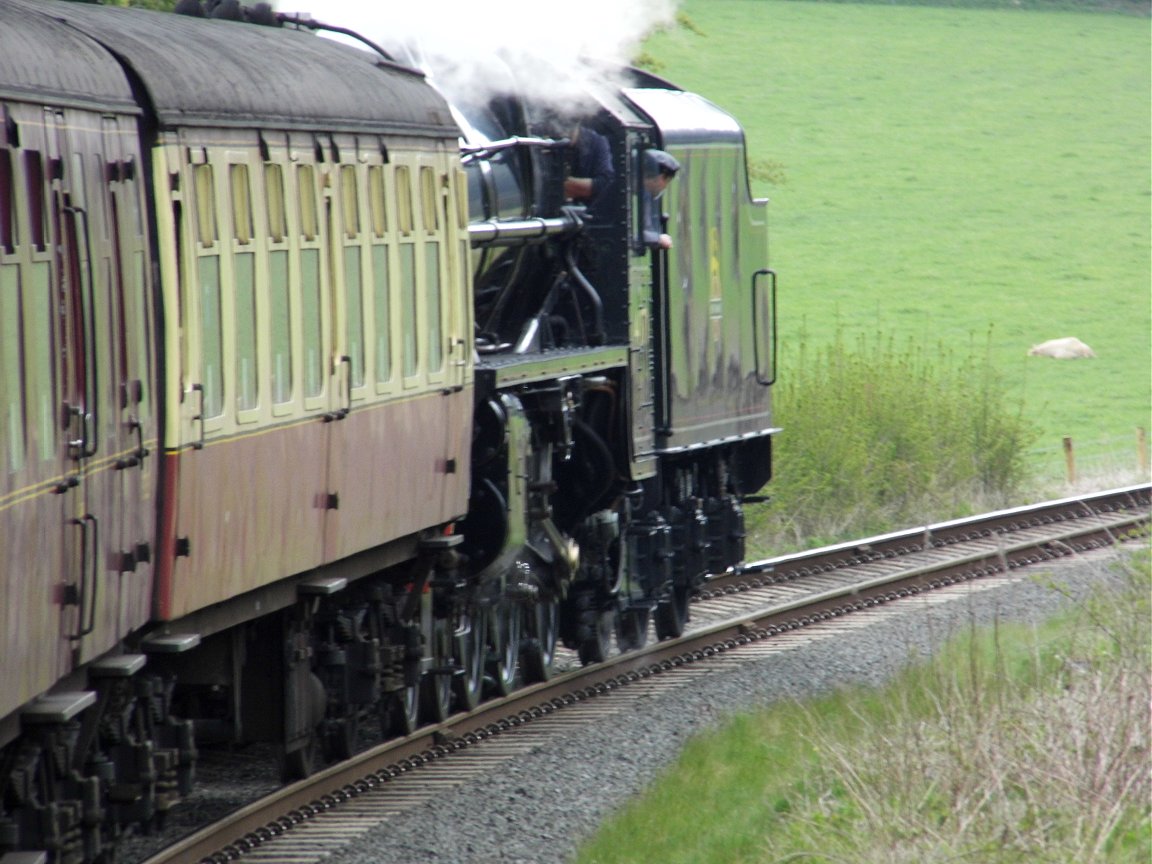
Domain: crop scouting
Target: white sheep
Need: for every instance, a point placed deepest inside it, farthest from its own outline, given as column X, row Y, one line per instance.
column 1068, row 348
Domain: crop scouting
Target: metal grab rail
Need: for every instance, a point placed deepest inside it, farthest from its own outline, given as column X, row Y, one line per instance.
column 756, row 323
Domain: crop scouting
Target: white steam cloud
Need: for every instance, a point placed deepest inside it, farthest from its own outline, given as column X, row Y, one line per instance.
column 472, row 50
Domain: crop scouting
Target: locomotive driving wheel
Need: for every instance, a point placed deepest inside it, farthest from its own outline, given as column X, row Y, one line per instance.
column 505, row 625
column 401, row 712
column 471, row 652
column 541, row 629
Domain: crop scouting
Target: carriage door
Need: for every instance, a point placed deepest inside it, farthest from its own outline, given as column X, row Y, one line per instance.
column 70, row 225
column 38, row 320
column 132, row 425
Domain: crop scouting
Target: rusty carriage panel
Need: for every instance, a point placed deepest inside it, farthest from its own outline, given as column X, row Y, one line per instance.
column 78, row 418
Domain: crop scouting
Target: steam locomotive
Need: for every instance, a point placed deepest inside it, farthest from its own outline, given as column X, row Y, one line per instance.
column 321, row 404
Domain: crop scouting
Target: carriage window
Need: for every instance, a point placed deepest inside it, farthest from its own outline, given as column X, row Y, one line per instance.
column 432, row 273
column 37, row 213
column 205, row 205
column 119, row 273
column 211, row 336
column 274, row 198
column 144, row 358
column 11, row 369
column 408, row 308
column 7, row 204
column 312, row 324
column 40, row 358
column 306, row 190
column 241, row 204
column 137, row 208
column 430, row 201
column 376, row 200
column 383, row 313
column 461, row 200
column 350, row 199
column 280, row 314
column 354, row 317
column 244, row 273
column 404, row 199
column 77, row 186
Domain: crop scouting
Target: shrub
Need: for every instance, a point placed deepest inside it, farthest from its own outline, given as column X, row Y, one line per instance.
column 877, row 434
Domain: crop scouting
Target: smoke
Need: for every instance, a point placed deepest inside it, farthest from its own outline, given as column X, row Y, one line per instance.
column 473, row 50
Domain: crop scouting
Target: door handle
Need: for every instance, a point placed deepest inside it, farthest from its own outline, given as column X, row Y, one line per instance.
column 85, row 597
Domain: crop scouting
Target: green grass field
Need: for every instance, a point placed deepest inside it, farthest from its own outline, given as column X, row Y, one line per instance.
column 977, row 178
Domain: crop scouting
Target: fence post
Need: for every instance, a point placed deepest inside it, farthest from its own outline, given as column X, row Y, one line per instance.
column 1142, row 450
column 1069, row 460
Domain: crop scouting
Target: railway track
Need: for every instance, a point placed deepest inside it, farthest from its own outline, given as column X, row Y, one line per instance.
column 738, row 615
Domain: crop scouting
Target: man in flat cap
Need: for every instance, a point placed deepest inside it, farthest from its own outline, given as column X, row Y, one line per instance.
column 659, row 169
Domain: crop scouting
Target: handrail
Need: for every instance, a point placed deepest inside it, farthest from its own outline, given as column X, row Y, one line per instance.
column 761, row 379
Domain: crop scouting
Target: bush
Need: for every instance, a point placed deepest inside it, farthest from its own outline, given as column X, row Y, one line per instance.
column 879, row 435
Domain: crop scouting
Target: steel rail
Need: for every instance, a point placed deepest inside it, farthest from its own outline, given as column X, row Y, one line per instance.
column 1128, row 499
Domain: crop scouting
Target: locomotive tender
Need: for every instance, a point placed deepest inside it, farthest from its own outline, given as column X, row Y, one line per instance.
column 319, row 405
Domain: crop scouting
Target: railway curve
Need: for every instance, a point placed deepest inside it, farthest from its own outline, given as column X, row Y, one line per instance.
column 763, row 608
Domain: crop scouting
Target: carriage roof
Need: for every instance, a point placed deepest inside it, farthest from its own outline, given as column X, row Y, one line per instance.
column 209, row 72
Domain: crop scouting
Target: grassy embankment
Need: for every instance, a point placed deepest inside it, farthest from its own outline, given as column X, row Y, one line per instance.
column 1018, row 746
column 953, row 185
